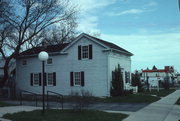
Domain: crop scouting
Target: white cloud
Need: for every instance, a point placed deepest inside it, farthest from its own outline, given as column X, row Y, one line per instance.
column 91, row 5
column 152, row 4
column 130, row 11
column 149, row 50
column 88, row 22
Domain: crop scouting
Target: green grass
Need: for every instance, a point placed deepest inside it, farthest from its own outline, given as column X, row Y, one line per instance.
column 3, row 104
column 178, row 102
column 65, row 115
column 161, row 93
column 133, row 98
column 143, row 97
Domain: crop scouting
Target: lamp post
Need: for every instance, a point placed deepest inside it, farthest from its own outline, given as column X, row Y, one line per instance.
column 43, row 56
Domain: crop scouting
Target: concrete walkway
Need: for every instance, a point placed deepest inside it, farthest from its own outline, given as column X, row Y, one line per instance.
column 162, row 110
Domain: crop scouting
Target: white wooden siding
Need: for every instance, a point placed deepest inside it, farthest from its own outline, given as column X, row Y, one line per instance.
column 95, row 71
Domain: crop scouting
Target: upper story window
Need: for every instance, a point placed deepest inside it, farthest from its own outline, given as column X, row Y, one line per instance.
column 49, row 61
column 24, row 62
column 85, row 52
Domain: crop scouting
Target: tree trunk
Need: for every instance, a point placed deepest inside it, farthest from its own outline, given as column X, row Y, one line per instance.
column 6, row 75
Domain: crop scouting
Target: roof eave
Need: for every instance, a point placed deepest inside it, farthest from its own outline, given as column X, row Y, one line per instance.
column 122, row 52
column 35, row 55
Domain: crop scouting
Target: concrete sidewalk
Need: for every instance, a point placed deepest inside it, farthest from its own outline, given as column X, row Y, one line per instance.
column 162, row 110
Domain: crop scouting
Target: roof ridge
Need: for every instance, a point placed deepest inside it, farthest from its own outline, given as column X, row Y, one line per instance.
column 110, row 44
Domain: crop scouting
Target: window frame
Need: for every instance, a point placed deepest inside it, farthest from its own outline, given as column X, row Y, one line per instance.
column 34, row 75
column 85, row 52
column 47, row 75
column 77, row 79
column 127, row 76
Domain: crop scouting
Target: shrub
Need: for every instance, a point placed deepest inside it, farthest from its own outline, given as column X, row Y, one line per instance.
column 136, row 81
column 80, row 99
column 127, row 92
column 117, row 82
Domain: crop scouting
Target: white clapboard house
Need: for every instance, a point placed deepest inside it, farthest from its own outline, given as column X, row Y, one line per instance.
column 84, row 64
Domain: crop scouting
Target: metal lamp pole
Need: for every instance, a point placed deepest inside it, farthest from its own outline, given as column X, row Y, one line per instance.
column 43, row 56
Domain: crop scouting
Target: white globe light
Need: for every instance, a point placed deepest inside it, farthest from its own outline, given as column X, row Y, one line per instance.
column 43, row 56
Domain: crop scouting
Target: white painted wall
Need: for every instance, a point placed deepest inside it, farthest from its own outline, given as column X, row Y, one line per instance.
column 123, row 60
column 95, row 71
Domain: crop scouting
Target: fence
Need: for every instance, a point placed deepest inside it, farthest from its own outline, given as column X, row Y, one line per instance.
column 27, row 92
column 59, row 99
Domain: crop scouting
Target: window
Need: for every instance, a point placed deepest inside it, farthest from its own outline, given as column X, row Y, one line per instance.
column 77, row 78
column 36, row 79
column 127, row 77
column 50, row 78
column 49, row 61
column 24, row 62
column 85, row 52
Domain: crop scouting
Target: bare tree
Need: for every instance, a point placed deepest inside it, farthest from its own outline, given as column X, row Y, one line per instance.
column 63, row 33
column 23, row 21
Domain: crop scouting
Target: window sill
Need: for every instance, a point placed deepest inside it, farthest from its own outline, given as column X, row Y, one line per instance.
column 50, row 86
column 49, row 64
column 77, row 86
column 36, row 85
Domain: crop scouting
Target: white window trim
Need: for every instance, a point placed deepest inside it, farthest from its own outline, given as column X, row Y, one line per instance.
column 48, row 80
column 34, row 79
column 75, row 79
column 87, row 52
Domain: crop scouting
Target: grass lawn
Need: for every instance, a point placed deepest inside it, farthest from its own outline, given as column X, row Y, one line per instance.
column 143, row 97
column 161, row 93
column 132, row 98
column 178, row 102
column 3, row 104
column 65, row 115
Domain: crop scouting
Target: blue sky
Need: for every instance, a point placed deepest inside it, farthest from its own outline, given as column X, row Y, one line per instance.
column 150, row 29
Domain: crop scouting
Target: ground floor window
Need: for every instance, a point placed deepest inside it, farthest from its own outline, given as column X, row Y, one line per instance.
column 50, row 79
column 77, row 78
column 36, row 79
column 127, row 76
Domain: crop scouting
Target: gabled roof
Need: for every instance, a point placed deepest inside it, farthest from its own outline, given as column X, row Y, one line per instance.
column 64, row 46
column 111, row 45
column 49, row 49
